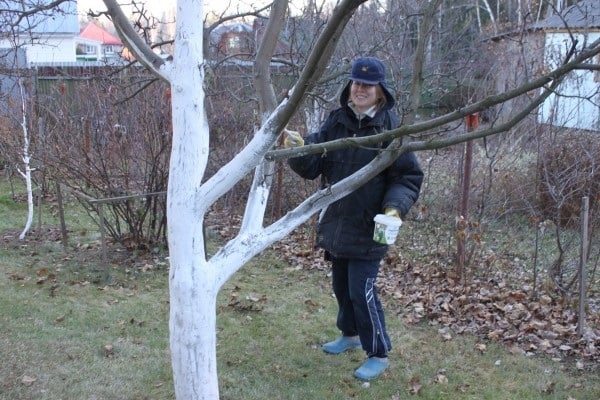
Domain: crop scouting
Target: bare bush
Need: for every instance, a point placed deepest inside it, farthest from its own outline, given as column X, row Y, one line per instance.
column 104, row 144
column 526, row 192
column 568, row 171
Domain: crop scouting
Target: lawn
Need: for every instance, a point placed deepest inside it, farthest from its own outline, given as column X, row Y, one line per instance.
column 65, row 334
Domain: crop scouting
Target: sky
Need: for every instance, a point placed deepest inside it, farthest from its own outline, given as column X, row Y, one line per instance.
column 158, row 6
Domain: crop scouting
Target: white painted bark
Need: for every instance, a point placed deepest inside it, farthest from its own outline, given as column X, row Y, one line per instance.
column 314, row 116
column 193, row 292
column 491, row 15
column 263, row 175
column 194, row 281
column 256, row 206
column 26, row 157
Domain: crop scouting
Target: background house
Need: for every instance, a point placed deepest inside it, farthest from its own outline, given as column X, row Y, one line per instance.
column 236, row 43
column 94, row 43
column 46, row 37
column 234, row 39
column 54, row 38
column 521, row 55
column 577, row 102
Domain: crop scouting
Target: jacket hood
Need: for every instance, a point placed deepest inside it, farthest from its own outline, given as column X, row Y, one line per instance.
column 345, row 96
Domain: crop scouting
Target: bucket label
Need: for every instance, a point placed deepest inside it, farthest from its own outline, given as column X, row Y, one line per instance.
column 386, row 229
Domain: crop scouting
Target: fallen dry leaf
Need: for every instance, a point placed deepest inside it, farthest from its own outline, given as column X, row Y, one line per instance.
column 441, row 379
column 28, row 380
column 445, row 333
column 108, row 350
column 147, row 267
column 414, row 385
column 549, row 389
column 311, row 303
column 482, row 347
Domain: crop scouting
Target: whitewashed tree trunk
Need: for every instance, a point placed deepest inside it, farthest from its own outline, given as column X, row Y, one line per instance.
column 192, row 282
column 26, row 161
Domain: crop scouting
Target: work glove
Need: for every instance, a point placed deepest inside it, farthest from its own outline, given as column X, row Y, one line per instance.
column 292, row 139
column 392, row 212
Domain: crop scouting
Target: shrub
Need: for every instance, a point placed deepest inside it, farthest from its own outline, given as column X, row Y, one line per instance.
column 568, row 170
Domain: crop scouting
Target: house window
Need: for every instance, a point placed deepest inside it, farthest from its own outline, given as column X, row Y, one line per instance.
column 233, row 43
column 89, row 49
column 597, row 73
column 108, row 49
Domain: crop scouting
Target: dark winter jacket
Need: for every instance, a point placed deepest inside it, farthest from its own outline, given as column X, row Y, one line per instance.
column 346, row 227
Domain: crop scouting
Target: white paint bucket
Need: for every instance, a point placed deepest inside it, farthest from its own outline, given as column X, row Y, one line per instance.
column 386, row 228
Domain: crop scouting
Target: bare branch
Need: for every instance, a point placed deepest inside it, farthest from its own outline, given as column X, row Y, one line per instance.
column 262, row 64
column 225, row 18
column 314, row 68
column 138, row 47
column 551, row 78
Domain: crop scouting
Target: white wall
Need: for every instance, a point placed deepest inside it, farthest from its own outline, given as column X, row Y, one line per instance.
column 54, row 49
column 576, row 105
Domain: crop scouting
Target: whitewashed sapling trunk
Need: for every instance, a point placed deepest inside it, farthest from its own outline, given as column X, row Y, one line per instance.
column 26, row 157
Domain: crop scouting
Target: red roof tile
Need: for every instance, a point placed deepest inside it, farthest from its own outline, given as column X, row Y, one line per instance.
column 94, row 32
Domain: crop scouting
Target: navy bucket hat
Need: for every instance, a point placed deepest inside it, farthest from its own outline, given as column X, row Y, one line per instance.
column 370, row 71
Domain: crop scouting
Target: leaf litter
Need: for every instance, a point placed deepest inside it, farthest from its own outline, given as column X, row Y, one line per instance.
column 495, row 309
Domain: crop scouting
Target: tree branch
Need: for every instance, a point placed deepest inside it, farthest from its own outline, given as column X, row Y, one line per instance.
column 140, row 49
column 319, row 57
column 482, row 105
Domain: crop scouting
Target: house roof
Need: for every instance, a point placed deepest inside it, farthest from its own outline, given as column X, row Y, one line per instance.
column 585, row 14
column 94, row 32
column 233, row 27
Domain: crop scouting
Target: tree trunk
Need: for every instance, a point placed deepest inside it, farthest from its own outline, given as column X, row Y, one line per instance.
column 192, row 286
column 491, row 15
column 193, row 331
column 27, row 162
column 416, row 87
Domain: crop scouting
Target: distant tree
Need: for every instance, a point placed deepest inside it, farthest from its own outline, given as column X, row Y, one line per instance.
column 19, row 20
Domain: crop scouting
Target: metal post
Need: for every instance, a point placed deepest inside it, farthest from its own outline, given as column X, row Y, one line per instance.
column 103, row 239
column 585, row 209
column 61, row 214
column 472, row 123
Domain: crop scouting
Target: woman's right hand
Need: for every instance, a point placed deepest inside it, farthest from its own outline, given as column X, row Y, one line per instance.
column 292, row 139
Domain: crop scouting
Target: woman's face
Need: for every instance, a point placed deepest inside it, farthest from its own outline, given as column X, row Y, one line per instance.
column 363, row 96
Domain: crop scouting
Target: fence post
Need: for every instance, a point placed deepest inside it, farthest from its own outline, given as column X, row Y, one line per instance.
column 462, row 228
column 103, row 240
column 585, row 209
column 61, row 215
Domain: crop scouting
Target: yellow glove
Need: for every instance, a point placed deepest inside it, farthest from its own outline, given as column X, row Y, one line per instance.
column 392, row 212
column 292, row 139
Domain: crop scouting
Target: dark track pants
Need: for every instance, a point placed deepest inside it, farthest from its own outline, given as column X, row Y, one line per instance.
column 360, row 311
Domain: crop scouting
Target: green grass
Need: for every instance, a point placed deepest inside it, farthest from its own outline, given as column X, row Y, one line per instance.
column 55, row 322
column 268, row 347
column 277, row 355
column 60, row 342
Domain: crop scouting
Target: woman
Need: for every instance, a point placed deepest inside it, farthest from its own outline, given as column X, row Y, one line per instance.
column 345, row 229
